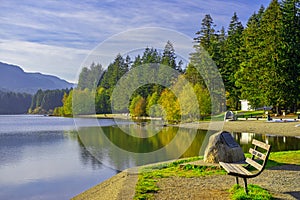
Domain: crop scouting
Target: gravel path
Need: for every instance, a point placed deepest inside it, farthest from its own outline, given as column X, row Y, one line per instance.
column 282, row 182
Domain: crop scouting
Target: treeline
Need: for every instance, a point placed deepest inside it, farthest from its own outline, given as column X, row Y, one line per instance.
column 14, row 103
column 45, row 101
column 42, row 102
column 259, row 62
column 159, row 98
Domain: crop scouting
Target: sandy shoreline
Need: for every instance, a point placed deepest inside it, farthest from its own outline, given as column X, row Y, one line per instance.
column 250, row 126
column 122, row 185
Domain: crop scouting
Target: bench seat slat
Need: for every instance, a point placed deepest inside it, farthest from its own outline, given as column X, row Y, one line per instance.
column 232, row 168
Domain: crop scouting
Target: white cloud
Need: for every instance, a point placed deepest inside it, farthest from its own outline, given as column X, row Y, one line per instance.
column 34, row 57
column 137, row 40
column 53, row 36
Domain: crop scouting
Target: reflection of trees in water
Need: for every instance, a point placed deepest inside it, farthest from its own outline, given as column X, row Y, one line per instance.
column 112, row 146
column 195, row 147
column 87, row 158
column 278, row 143
column 120, row 149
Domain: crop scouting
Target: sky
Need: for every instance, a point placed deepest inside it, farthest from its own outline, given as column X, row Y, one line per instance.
column 57, row 36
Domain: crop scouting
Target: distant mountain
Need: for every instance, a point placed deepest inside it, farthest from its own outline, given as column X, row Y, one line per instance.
column 13, row 78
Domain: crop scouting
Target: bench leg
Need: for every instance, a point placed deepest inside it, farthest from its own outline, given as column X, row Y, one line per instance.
column 237, row 180
column 246, row 189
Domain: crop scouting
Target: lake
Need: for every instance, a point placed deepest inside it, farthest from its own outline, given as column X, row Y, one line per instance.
column 56, row 158
column 40, row 159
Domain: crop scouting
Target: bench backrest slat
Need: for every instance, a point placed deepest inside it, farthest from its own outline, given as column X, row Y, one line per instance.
column 257, row 154
column 261, row 144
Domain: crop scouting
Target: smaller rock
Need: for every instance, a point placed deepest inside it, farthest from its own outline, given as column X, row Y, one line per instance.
column 229, row 116
column 223, row 148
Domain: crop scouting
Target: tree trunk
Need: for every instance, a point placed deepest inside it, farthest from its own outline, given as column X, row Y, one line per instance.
column 278, row 110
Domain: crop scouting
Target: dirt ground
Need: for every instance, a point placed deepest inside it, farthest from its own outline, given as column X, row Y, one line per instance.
column 282, row 182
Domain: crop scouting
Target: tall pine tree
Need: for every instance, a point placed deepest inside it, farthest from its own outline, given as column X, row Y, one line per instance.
column 291, row 52
column 248, row 74
column 232, row 60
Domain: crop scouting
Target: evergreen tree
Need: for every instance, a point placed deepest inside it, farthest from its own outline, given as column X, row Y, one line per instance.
column 206, row 34
column 249, row 72
column 114, row 72
column 193, row 76
column 44, row 102
column 271, row 63
column 207, row 54
column 151, row 55
column 14, row 103
column 137, row 61
column 102, row 101
column 291, row 51
column 169, row 57
column 89, row 77
column 232, row 60
column 83, row 78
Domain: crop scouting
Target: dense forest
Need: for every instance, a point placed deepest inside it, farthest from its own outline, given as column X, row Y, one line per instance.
column 14, row 103
column 42, row 102
column 45, row 101
column 258, row 62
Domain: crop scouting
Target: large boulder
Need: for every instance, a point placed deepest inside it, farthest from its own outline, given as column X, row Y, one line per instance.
column 223, row 148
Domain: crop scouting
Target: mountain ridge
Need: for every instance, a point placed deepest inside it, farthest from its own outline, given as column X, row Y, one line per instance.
column 14, row 78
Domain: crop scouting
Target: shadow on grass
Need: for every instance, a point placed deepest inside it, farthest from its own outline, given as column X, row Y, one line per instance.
column 273, row 165
column 295, row 194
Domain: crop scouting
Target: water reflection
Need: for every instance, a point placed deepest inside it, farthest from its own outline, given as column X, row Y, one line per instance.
column 121, row 150
column 87, row 158
column 124, row 147
column 278, row 143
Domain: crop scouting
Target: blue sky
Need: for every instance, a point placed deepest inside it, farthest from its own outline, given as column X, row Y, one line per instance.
column 55, row 36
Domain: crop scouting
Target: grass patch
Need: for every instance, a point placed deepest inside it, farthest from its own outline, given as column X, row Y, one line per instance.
column 285, row 157
column 255, row 192
column 146, row 186
column 244, row 114
column 281, row 158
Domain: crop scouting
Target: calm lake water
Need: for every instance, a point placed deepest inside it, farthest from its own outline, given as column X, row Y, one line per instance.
column 48, row 158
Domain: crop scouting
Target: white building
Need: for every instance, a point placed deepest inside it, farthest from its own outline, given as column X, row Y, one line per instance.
column 245, row 106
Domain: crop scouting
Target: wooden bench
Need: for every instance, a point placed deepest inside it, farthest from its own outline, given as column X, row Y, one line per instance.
column 257, row 161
